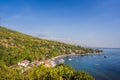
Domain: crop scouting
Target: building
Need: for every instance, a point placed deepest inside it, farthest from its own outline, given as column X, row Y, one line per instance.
column 24, row 63
column 47, row 64
column 36, row 63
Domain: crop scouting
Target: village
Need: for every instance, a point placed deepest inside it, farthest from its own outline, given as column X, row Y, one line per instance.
column 26, row 64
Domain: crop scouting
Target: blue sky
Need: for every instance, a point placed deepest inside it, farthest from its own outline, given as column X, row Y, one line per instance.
column 94, row 23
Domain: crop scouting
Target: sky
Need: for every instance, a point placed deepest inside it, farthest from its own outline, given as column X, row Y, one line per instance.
column 93, row 23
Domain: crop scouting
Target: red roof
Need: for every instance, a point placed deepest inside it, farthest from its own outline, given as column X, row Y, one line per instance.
column 48, row 63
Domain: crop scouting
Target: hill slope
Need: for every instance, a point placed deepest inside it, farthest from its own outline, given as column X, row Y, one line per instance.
column 15, row 46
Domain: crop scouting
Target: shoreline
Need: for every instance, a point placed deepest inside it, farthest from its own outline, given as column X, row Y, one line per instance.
column 56, row 60
column 65, row 55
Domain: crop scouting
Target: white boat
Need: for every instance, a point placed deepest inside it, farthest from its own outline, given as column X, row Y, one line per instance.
column 69, row 59
column 61, row 61
column 53, row 63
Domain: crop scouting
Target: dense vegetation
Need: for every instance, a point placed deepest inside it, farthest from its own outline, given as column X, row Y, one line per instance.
column 60, row 72
column 15, row 46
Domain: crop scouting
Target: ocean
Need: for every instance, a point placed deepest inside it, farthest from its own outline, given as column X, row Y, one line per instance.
column 103, row 66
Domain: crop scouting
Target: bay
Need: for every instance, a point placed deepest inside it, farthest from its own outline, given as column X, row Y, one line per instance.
column 103, row 66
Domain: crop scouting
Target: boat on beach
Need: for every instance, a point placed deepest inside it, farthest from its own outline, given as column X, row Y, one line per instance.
column 61, row 61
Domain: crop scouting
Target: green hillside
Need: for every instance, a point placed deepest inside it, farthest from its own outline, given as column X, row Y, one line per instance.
column 15, row 46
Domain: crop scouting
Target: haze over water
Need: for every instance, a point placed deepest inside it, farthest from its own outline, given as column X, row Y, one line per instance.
column 97, row 65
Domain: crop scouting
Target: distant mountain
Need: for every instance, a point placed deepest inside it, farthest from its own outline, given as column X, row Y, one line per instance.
column 60, row 39
column 16, row 46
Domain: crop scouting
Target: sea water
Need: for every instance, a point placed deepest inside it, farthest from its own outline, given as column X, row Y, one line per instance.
column 103, row 66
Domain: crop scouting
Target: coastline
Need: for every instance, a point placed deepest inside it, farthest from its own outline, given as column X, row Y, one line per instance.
column 64, row 55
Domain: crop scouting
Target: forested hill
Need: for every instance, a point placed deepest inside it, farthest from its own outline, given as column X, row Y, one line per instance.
column 16, row 46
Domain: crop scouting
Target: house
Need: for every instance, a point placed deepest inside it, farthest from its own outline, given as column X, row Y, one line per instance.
column 72, row 53
column 41, row 62
column 47, row 64
column 36, row 63
column 24, row 63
